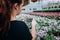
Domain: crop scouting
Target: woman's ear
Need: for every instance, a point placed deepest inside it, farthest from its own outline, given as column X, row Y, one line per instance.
column 16, row 6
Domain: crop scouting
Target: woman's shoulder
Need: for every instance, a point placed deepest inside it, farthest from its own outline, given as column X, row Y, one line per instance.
column 18, row 25
column 18, row 22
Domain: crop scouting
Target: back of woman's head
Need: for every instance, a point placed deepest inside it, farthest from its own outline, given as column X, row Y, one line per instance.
column 5, row 9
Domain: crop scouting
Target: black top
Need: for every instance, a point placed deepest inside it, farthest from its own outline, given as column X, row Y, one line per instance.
column 19, row 31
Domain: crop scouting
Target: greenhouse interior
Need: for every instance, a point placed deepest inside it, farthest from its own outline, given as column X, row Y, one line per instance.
column 47, row 15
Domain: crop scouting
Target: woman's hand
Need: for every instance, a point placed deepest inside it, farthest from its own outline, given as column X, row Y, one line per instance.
column 33, row 31
column 34, row 22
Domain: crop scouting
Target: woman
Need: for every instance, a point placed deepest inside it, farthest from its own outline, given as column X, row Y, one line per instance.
column 10, row 28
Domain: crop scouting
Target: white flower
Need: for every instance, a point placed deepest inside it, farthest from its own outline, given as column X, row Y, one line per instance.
column 41, row 33
column 57, row 38
column 45, row 28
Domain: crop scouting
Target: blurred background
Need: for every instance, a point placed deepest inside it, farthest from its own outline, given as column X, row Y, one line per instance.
column 47, row 15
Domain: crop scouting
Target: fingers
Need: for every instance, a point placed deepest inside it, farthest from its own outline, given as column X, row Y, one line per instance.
column 34, row 22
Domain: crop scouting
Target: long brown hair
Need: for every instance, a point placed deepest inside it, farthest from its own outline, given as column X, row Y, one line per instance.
column 5, row 9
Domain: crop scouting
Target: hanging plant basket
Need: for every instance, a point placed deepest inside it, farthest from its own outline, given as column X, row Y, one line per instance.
column 26, row 3
column 34, row 0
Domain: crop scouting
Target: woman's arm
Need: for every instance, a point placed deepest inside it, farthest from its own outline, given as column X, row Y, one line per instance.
column 33, row 31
